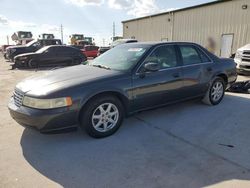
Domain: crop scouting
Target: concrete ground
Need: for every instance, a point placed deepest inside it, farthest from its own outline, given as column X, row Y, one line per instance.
column 182, row 145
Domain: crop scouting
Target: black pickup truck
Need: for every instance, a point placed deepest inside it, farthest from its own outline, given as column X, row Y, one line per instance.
column 32, row 46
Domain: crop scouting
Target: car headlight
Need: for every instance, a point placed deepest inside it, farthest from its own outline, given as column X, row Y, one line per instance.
column 238, row 55
column 47, row 103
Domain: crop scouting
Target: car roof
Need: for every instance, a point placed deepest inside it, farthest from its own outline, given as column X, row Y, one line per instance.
column 90, row 45
column 62, row 46
column 156, row 43
column 48, row 39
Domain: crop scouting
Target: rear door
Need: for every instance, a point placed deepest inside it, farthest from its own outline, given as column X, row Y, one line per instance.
column 160, row 87
column 64, row 55
column 197, row 70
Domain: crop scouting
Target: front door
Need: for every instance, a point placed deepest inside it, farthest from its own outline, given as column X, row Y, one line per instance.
column 158, row 87
column 226, row 45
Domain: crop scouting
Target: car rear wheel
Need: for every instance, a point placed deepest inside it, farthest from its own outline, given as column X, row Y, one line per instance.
column 102, row 116
column 215, row 92
column 77, row 61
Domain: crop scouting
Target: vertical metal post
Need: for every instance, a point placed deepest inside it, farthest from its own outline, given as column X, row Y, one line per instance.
column 8, row 42
column 113, row 30
column 61, row 33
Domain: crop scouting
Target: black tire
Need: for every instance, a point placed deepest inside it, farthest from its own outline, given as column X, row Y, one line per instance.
column 86, row 116
column 77, row 61
column 32, row 64
column 209, row 97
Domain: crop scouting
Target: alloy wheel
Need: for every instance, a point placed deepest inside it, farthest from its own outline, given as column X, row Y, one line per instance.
column 105, row 117
column 217, row 91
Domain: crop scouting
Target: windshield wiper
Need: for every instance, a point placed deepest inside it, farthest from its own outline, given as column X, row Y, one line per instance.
column 102, row 66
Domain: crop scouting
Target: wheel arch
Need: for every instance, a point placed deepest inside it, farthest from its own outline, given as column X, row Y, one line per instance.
column 224, row 77
column 124, row 100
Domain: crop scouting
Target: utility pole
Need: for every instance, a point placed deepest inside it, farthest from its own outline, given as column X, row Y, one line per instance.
column 113, row 30
column 61, row 28
column 103, row 42
column 8, row 42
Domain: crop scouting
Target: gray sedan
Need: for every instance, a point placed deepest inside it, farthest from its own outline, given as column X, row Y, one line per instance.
column 124, row 80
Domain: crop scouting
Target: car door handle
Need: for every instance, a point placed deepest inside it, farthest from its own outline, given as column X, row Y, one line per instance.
column 176, row 75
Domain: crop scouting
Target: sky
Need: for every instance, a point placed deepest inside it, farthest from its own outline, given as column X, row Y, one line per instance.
column 93, row 18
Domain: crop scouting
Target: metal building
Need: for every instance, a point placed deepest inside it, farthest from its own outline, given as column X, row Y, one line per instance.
column 226, row 21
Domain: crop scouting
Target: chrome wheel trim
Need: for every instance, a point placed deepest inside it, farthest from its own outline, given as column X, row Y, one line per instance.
column 105, row 117
column 217, row 91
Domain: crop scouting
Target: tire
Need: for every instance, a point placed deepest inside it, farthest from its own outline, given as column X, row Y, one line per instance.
column 77, row 61
column 101, row 125
column 32, row 64
column 215, row 93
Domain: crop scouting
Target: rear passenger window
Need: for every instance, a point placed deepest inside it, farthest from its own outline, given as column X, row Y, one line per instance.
column 189, row 55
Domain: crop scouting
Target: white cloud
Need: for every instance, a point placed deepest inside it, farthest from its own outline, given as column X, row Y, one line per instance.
column 137, row 8
column 3, row 20
column 143, row 8
column 15, row 24
column 82, row 3
column 120, row 4
column 49, row 28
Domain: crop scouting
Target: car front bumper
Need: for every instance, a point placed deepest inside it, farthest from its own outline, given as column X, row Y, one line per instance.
column 243, row 67
column 43, row 120
column 20, row 63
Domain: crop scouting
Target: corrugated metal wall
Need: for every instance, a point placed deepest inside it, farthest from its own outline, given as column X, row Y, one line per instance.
column 196, row 25
column 150, row 29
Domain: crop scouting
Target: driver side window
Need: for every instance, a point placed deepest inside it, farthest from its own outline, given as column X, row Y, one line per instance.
column 165, row 56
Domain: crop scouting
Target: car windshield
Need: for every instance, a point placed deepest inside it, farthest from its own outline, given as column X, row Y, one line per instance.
column 30, row 43
column 121, row 58
column 42, row 49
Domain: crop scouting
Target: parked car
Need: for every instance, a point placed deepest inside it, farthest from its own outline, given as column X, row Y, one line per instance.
column 122, row 41
column 90, row 51
column 32, row 46
column 50, row 56
column 3, row 50
column 126, row 79
column 242, row 59
column 102, row 50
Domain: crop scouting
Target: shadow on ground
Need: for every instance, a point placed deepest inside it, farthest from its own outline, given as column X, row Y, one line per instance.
column 175, row 146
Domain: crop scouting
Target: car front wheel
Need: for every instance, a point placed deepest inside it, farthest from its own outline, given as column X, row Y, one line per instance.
column 215, row 93
column 32, row 64
column 102, row 116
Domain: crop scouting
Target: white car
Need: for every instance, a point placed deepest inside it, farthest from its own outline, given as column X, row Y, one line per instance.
column 242, row 59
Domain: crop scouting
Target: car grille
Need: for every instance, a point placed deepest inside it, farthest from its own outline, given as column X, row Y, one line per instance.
column 246, row 56
column 245, row 66
column 18, row 97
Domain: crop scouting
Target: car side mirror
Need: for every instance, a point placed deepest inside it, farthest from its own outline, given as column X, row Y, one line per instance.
column 152, row 66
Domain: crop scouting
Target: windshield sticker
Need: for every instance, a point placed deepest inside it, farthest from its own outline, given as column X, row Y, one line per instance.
column 135, row 49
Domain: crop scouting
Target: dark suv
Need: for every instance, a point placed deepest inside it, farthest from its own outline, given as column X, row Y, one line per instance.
column 32, row 46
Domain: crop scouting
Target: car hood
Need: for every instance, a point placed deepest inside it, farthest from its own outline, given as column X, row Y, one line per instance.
column 246, row 47
column 17, row 47
column 63, row 78
column 25, row 54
